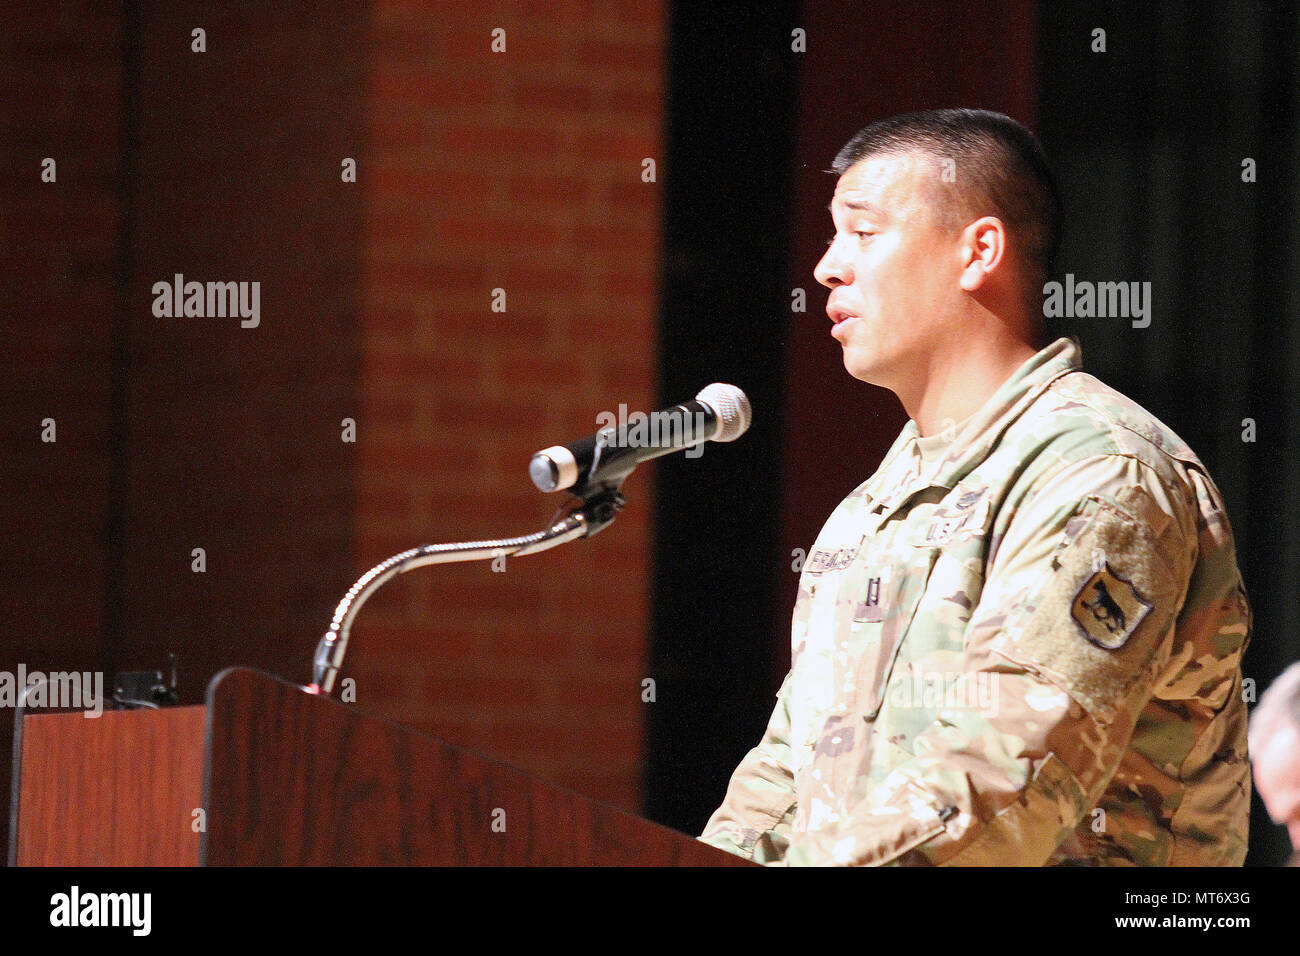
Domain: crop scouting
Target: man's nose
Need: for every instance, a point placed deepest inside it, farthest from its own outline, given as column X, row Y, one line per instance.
column 834, row 268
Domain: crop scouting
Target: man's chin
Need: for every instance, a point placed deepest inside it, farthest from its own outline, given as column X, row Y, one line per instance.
column 864, row 370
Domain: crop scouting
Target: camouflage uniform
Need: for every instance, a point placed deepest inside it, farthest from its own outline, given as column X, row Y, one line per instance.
column 1025, row 650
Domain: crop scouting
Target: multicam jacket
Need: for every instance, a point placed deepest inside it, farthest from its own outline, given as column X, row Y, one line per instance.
column 1026, row 651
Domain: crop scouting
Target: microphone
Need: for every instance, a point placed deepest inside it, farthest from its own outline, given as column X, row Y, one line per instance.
column 718, row 413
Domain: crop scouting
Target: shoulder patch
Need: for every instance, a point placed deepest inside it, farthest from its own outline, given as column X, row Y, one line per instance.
column 1091, row 630
column 1107, row 609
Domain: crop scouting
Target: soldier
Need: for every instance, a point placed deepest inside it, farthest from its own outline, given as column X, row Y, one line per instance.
column 1019, row 641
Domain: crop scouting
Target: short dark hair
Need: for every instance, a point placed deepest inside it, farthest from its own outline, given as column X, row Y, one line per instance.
column 1001, row 170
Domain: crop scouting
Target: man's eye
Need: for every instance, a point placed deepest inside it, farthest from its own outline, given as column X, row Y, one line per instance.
column 862, row 233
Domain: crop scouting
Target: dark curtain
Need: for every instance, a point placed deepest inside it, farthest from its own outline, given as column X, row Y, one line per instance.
column 732, row 80
column 1153, row 141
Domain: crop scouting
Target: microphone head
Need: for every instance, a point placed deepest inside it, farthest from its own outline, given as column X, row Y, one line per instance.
column 731, row 407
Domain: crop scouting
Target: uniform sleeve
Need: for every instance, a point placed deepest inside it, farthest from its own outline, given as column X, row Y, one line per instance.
column 1073, row 624
column 754, row 818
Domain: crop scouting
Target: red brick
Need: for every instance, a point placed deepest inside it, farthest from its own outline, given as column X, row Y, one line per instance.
column 519, row 171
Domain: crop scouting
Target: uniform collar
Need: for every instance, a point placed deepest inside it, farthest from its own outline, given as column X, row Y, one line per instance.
column 984, row 428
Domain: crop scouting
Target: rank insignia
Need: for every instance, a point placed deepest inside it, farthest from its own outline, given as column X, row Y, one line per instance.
column 869, row 610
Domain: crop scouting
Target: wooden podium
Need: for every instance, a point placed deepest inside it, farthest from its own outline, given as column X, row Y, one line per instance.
column 267, row 774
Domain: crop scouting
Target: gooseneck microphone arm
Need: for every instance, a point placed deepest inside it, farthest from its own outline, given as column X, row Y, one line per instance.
column 586, row 517
column 592, row 469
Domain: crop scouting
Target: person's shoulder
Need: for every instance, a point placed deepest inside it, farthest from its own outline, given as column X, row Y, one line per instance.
column 1079, row 416
column 1133, row 429
column 1081, row 439
column 1082, row 449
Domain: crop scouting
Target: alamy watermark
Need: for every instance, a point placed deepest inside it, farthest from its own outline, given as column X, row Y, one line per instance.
column 178, row 298
column 947, row 690
column 1103, row 300
column 77, row 908
column 671, row 428
column 60, row 690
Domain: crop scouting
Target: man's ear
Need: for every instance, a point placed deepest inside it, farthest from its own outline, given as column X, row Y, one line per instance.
column 983, row 246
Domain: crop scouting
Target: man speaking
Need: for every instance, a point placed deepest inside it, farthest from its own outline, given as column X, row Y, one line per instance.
column 1018, row 642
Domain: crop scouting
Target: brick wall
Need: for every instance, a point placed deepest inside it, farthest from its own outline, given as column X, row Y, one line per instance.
column 521, row 171
column 476, row 171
